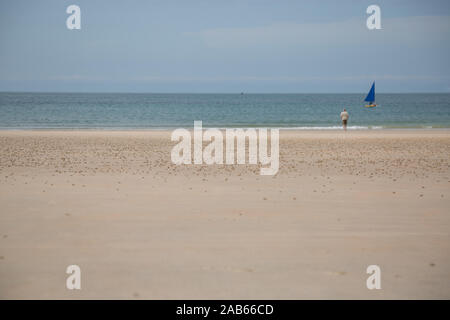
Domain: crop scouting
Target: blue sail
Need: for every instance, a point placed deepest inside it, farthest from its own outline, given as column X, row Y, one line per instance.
column 371, row 95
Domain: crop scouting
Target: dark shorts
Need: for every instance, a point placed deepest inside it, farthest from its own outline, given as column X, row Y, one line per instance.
column 344, row 122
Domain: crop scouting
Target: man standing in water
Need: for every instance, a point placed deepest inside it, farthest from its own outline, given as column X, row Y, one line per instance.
column 344, row 118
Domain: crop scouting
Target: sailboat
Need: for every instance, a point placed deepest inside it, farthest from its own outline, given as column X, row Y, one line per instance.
column 371, row 97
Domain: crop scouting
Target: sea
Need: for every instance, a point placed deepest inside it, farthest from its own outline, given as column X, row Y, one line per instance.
column 137, row 111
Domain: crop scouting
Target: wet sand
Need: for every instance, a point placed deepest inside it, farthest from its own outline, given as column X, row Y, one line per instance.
column 142, row 228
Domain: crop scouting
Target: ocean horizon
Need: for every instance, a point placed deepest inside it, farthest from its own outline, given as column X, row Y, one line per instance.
column 140, row 111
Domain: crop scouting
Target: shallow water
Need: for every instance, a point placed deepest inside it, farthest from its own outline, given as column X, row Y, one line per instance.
column 152, row 111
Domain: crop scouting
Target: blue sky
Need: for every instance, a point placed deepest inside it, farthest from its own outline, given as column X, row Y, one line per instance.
column 224, row 46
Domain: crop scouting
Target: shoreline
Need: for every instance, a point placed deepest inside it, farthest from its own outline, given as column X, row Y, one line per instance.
column 282, row 129
column 284, row 134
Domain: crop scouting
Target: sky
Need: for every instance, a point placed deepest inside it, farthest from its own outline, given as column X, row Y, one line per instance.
column 212, row 46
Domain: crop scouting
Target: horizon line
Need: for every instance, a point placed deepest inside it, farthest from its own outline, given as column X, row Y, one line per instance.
column 234, row 92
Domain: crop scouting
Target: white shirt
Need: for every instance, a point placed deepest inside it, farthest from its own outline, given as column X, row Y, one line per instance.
column 344, row 115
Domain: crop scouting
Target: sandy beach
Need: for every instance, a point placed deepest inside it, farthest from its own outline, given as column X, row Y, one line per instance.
column 140, row 227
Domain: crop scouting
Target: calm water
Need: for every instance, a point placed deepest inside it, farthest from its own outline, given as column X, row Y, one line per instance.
column 147, row 111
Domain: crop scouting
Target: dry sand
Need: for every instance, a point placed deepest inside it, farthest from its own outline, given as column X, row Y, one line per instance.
column 140, row 227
